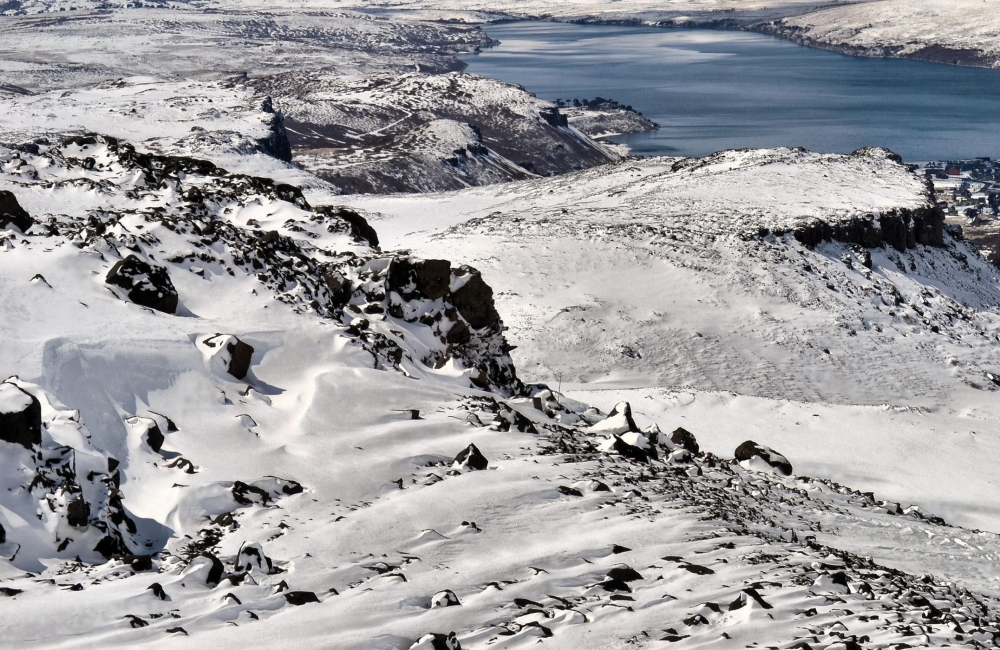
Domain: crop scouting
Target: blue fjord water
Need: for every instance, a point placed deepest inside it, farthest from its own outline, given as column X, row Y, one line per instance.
column 712, row 89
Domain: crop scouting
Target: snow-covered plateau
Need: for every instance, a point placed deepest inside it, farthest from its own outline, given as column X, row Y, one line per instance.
column 540, row 394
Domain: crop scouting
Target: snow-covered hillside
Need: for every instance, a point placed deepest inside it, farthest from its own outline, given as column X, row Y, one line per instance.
column 231, row 420
column 670, row 281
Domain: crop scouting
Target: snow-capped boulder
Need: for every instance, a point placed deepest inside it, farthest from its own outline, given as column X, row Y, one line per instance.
column 20, row 416
column 229, row 354
column 145, row 284
column 471, row 458
column 684, row 438
column 619, row 421
column 251, row 559
column 436, row 641
column 618, row 445
column 206, row 569
column 760, row 458
column 446, row 598
column 148, row 431
column 12, row 214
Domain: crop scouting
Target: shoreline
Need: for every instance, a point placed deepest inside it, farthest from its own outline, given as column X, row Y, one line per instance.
column 962, row 58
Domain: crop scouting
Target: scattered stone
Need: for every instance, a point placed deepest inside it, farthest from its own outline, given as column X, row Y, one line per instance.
column 135, row 621
column 147, row 285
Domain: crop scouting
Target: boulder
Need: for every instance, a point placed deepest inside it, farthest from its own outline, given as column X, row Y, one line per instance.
column 235, row 354
column 300, row 597
column 12, row 214
column 684, row 438
column 754, row 456
column 471, row 458
column 20, row 416
column 205, row 568
column 145, row 284
column 619, row 421
column 446, row 598
column 624, row 573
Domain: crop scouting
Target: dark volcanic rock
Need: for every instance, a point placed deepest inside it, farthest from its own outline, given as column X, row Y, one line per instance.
column 300, row 597
column 750, row 449
column 20, row 416
column 147, row 285
column 685, row 439
column 12, row 214
column 154, row 437
column 472, row 458
column 474, row 301
column 624, row 573
column 412, row 278
column 240, row 354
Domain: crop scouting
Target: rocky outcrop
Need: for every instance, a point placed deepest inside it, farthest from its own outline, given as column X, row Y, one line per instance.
column 12, row 214
column 145, row 284
column 276, row 144
column 900, row 228
column 20, row 416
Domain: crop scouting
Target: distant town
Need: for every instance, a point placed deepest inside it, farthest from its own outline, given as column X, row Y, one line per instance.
column 969, row 193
